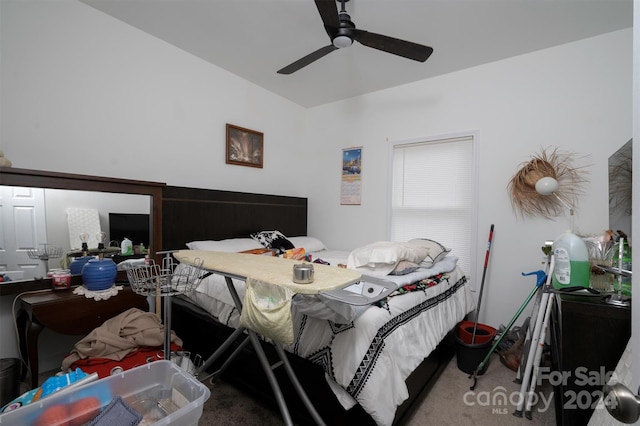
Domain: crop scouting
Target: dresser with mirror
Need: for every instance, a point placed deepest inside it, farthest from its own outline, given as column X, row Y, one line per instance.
column 22, row 226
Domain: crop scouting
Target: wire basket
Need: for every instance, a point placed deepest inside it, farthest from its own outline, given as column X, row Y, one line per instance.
column 169, row 279
column 45, row 253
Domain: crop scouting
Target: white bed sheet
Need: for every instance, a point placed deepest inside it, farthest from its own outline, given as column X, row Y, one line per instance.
column 369, row 359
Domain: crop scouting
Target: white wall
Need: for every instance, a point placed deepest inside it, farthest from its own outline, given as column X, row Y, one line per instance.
column 85, row 93
column 576, row 96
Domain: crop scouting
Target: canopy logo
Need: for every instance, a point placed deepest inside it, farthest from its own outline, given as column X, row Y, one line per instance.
column 499, row 399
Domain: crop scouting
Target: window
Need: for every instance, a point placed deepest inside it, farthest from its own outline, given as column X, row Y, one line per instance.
column 432, row 193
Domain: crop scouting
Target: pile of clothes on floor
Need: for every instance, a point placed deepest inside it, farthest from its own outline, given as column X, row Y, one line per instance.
column 133, row 338
column 128, row 340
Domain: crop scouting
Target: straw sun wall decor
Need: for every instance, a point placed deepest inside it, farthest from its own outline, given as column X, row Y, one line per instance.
column 554, row 163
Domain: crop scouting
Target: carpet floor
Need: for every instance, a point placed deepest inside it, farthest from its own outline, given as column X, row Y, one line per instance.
column 450, row 402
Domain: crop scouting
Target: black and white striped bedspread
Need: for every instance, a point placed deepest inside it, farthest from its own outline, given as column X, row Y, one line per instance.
column 369, row 359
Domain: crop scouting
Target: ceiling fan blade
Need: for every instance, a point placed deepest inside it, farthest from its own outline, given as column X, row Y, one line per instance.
column 395, row 46
column 303, row 62
column 329, row 13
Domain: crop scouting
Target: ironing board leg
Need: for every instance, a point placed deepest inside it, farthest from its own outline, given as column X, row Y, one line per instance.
column 282, row 404
column 167, row 327
column 228, row 360
column 296, row 384
column 236, row 333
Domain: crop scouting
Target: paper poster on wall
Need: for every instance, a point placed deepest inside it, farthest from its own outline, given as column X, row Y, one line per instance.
column 351, row 185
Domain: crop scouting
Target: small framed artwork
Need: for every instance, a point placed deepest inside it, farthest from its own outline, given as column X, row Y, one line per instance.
column 245, row 147
column 351, row 179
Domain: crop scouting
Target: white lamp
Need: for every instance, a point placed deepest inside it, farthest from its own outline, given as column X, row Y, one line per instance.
column 342, row 41
column 548, row 186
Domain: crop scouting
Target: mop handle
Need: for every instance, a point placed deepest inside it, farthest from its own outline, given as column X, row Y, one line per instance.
column 484, row 274
column 474, row 375
column 486, row 257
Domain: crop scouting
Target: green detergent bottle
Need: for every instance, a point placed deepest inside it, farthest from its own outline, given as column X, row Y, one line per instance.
column 571, row 262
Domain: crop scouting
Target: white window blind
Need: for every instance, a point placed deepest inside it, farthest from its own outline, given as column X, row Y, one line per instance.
column 432, row 194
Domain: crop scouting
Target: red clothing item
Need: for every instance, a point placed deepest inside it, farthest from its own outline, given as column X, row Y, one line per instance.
column 119, row 336
column 105, row 366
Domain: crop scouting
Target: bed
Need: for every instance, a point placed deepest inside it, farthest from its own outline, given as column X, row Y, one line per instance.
column 376, row 379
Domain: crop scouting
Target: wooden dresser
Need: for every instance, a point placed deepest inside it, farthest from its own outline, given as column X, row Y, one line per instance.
column 588, row 338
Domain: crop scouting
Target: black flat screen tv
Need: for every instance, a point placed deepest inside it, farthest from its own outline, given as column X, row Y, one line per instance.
column 134, row 226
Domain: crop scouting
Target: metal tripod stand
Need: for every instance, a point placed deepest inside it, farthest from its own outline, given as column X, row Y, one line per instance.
column 543, row 278
column 534, row 354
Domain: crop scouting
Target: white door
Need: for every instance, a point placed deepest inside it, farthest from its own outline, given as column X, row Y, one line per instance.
column 632, row 381
column 22, row 227
column 635, row 217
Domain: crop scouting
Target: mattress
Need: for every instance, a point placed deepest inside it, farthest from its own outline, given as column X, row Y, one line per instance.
column 367, row 356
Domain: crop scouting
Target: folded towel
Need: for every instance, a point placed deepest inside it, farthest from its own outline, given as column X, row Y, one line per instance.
column 118, row 413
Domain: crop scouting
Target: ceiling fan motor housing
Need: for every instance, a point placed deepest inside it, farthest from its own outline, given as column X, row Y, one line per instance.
column 343, row 36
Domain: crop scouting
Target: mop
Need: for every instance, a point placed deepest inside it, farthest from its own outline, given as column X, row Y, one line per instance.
column 484, row 273
column 541, row 279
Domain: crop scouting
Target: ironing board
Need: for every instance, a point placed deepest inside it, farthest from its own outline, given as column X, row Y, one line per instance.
column 270, row 269
column 328, row 280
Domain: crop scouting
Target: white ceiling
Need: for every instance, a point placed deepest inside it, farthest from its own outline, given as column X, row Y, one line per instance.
column 255, row 38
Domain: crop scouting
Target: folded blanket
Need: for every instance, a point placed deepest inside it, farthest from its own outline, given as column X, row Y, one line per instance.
column 421, row 285
column 119, row 336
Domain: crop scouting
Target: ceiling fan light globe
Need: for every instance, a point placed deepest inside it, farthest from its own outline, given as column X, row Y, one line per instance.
column 546, row 185
column 342, row 41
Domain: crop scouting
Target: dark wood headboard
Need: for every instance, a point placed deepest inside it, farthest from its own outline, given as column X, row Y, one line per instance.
column 191, row 214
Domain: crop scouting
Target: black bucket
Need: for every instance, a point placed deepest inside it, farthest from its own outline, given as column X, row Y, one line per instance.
column 9, row 380
column 469, row 356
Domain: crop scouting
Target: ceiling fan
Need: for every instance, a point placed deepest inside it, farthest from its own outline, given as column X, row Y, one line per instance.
column 343, row 32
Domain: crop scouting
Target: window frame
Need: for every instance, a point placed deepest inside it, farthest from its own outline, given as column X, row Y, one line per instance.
column 441, row 138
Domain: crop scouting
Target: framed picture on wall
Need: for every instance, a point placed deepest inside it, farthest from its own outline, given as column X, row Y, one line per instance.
column 351, row 179
column 245, row 147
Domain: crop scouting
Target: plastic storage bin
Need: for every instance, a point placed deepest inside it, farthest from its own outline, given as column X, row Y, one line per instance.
column 161, row 391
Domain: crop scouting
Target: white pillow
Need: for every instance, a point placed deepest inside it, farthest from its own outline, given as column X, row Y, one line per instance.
column 382, row 257
column 310, row 244
column 228, row 245
column 437, row 251
column 404, row 267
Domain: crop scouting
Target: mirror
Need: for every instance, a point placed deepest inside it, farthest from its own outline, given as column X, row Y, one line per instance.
column 620, row 173
column 64, row 215
column 57, row 192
